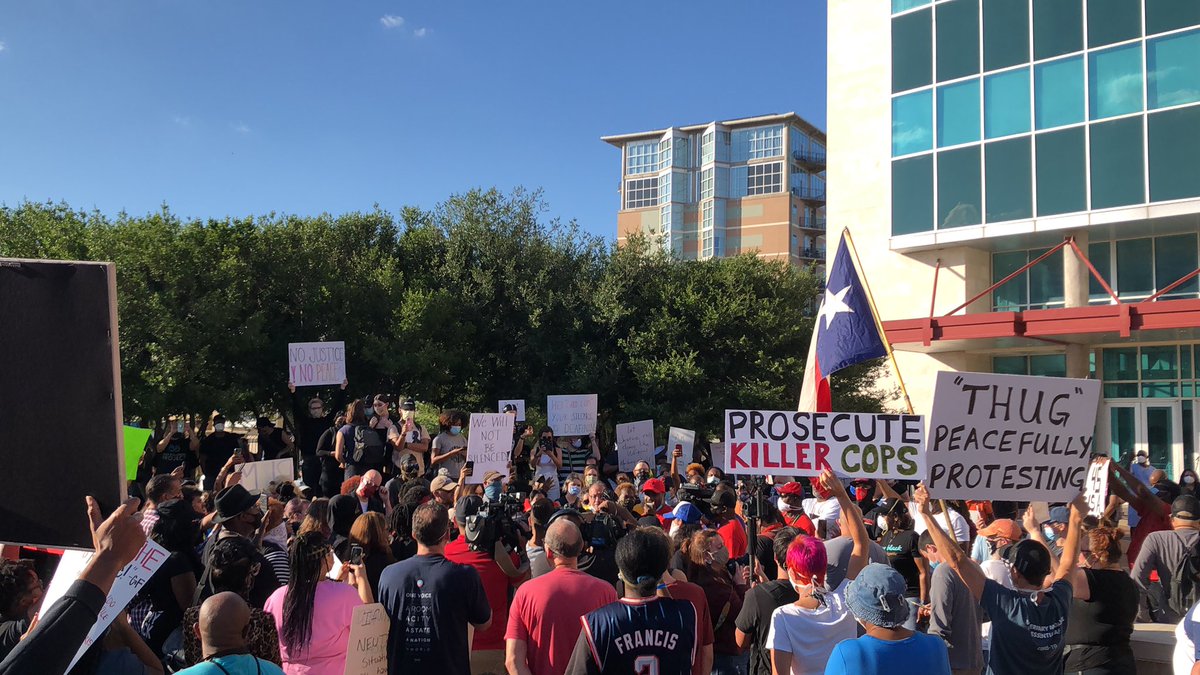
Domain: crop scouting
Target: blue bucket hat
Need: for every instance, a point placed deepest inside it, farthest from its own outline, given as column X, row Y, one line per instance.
column 877, row 596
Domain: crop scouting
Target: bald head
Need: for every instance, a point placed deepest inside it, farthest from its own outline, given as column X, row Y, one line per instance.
column 564, row 543
column 223, row 621
column 1157, row 476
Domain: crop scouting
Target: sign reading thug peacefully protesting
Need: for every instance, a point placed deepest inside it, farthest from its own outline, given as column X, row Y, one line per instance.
column 573, row 415
column 853, row 445
column 315, row 364
column 489, row 444
column 366, row 653
column 1011, row 437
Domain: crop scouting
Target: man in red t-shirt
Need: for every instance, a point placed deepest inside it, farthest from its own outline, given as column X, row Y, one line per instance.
column 791, row 507
column 498, row 570
column 543, row 623
column 730, row 525
column 1155, row 513
column 654, row 493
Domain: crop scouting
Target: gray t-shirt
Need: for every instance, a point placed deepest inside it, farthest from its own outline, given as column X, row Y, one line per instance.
column 538, row 564
column 445, row 443
column 837, row 551
column 1027, row 636
column 954, row 617
column 1163, row 551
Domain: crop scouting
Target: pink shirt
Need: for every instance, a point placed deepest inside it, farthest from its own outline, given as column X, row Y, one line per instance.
column 325, row 653
column 545, row 614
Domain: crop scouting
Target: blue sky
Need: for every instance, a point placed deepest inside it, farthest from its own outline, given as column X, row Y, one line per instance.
column 237, row 108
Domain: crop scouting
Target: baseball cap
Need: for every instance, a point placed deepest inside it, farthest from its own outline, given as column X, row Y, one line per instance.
column 723, row 498
column 1029, row 558
column 654, row 485
column 509, row 407
column 442, row 483
column 1002, row 527
column 793, row 489
column 877, row 596
column 491, row 476
column 1185, row 507
column 1059, row 514
column 684, row 512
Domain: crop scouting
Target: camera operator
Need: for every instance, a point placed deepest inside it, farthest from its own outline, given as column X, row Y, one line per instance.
column 600, row 534
column 598, row 500
column 499, row 568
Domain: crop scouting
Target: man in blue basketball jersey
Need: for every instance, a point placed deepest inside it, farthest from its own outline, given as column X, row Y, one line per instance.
column 640, row 634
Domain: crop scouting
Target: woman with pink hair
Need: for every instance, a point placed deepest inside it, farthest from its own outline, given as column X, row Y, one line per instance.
column 804, row 633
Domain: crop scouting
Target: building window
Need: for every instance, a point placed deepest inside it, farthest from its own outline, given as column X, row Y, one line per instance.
column 957, row 39
column 1145, row 266
column 912, row 195
column 959, row 190
column 912, row 123
column 958, row 113
column 1005, row 33
column 683, row 152
column 901, row 5
column 1111, row 21
column 1165, row 15
column 706, row 147
column 1175, row 257
column 1115, row 81
column 762, row 179
column 759, row 143
column 1158, row 371
column 1008, row 172
column 641, row 157
column 912, row 50
column 641, row 192
column 706, row 183
column 1174, row 139
column 1172, row 73
column 664, row 154
column 664, row 194
column 1006, row 103
column 1039, row 287
column 1058, row 92
column 1118, row 174
column 1057, row 27
column 1061, row 186
column 1045, row 365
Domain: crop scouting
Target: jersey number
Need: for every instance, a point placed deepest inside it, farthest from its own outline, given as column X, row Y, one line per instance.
column 646, row 665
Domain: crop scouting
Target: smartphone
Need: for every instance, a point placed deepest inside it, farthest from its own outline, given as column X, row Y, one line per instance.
column 470, row 465
column 356, row 555
column 263, row 502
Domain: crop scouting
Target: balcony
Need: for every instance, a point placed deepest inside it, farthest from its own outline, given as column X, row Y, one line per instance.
column 811, row 160
column 812, row 223
column 808, row 194
column 812, row 253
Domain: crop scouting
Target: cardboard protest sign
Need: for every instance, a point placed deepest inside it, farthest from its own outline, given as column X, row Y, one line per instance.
column 857, row 445
column 366, row 652
column 635, row 443
column 258, row 476
column 135, row 440
column 519, row 403
column 1095, row 489
column 716, row 452
column 573, row 415
column 1010, row 437
column 314, row 364
column 489, row 444
column 684, row 437
column 129, row 580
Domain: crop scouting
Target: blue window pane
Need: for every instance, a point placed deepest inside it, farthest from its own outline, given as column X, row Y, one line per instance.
column 1115, row 81
column 1057, row 27
column 912, row 195
column 1173, row 66
column 1174, row 147
column 912, row 50
column 1058, row 93
column 1006, row 103
column 1112, row 21
column 1164, row 15
column 1005, row 33
column 1061, row 186
column 957, row 39
column 958, row 186
column 901, row 5
column 912, row 123
column 958, row 113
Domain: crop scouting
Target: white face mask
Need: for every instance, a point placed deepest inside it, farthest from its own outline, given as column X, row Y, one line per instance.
column 219, row 426
column 1188, row 480
column 882, row 523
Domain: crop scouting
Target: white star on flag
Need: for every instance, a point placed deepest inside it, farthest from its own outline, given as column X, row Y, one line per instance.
column 833, row 305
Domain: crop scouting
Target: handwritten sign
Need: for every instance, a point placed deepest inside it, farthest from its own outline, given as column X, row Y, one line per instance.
column 853, row 445
column 635, row 443
column 314, row 364
column 1011, row 437
column 489, row 444
column 258, row 476
column 129, row 580
column 573, row 415
column 518, row 403
column 716, row 451
column 1095, row 487
column 366, row 653
column 684, row 437
column 134, row 441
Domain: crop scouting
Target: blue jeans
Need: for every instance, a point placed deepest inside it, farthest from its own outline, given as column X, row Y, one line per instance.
column 726, row 664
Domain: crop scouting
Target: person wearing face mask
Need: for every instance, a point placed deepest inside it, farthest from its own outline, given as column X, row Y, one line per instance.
column 999, row 535
column 493, row 486
column 311, row 419
column 546, row 459
column 706, row 560
column 1188, row 484
column 177, row 448
column 728, row 523
column 695, row 473
column 627, row 496
column 822, row 506
column 715, row 477
column 575, row 455
column 1142, row 469
column 573, row 493
column 791, row 507
column 450, row 446
column 1052, row 533
column 370, row 495
column 215, row 449
column 409, row 439
column 1103, row 609
column 641, row 474
column 953, row 613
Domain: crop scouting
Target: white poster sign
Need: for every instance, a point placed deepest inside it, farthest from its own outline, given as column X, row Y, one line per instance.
column 853, row 445
column 572, row 415
column 489, row 444
column 258, row 476
column 1010, row 437
column 681, row 437
column 131, row 578
column 635, row 443
column 716, row 451
column 315, row 364
column 518, row 403
column 1096, row 487
column 366, row 652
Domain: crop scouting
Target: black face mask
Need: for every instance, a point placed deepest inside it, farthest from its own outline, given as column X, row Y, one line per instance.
column 642, row 476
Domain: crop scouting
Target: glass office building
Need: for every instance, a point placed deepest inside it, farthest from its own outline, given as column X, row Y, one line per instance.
column 996, row 129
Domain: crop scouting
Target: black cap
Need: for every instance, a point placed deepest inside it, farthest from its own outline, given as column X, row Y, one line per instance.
column 1185, row 507
column 177, row 510
column 723, row 498
column 565, row 513
column 508, row 407
column 232, row 502
column 1030, row 558
column 408, row 404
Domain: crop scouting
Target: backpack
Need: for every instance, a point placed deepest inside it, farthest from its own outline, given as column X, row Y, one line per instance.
column 368, row 446
column 1185, row 579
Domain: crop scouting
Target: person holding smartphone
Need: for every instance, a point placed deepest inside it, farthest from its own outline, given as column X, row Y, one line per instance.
column 178, row 447
column 546, row 461
column 450, row 446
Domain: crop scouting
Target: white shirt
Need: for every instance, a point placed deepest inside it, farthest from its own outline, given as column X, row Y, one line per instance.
column 1185, row 641
column 829, row 509
column 961, row 530
column 810, row 635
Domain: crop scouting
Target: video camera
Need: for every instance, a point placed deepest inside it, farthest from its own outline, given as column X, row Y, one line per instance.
column 494, row 522
column 751, row 491
column 602, row 532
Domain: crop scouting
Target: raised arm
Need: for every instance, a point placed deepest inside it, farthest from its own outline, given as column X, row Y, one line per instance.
column 1070, row 556
column 860, row 554
column 968, row 570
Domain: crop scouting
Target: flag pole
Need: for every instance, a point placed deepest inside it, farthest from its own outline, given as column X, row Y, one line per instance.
column 887, row 344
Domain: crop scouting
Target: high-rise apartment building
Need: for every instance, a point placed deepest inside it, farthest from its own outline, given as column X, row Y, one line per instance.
column 970, row 138
column 711, row 190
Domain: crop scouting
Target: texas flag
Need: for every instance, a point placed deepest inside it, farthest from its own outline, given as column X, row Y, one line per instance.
column 845, row 332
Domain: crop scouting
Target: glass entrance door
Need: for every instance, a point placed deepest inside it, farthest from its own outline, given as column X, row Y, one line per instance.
column 1155, row 426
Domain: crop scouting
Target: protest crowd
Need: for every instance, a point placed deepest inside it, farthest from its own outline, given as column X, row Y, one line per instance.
column 570, row 561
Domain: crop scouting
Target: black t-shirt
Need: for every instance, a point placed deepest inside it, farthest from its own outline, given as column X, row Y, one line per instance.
column 755, row 619
column 601, row 563
column 271, row 445
column 430, row 600
column 177, row 453
column 901, row 549
column 217, row 448
column 10, row 635
column 1098, row 629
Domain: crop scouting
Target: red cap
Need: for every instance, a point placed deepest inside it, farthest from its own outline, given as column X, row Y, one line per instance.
column 794, row 489
column 654, row 485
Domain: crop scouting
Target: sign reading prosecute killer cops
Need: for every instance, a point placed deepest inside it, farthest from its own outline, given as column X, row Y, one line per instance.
column 1011, row 437
column 859, row 445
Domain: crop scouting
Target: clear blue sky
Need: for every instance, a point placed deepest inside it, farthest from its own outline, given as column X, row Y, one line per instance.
column 242, row 108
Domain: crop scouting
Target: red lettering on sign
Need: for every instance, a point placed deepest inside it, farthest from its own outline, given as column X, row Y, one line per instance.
column 802, row 456
column 783, row 458
column 767, row 463
column 822, row 453
column 735, row 456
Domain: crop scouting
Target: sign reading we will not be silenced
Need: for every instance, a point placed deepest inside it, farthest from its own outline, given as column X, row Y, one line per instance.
column 316, row 364
column 853, row 445
column 1011, row 437
column 489, row 444
column 573, row 415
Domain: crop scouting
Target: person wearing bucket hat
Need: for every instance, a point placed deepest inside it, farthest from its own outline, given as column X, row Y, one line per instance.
column 877, row 599
column 1029, row 621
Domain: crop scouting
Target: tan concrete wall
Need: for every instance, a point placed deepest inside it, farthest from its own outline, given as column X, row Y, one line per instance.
column 640, row 221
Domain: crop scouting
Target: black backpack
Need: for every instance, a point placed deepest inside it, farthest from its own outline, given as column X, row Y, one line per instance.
column 369, row 449
column 1185, row 578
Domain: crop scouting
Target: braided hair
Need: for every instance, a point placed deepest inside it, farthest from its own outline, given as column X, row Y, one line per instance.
column 306, row 558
